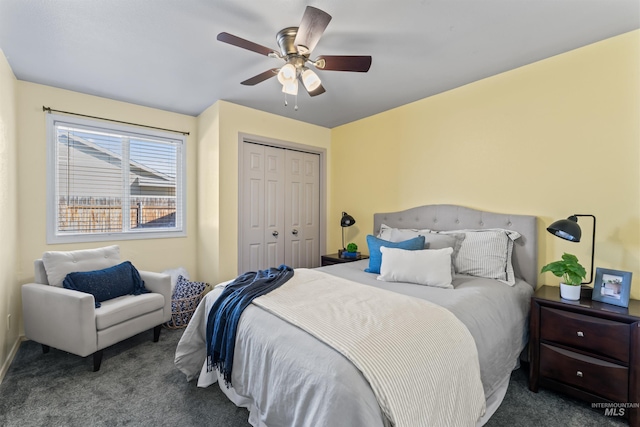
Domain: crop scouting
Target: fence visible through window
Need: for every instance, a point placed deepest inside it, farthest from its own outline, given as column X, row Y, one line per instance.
column 104, row 214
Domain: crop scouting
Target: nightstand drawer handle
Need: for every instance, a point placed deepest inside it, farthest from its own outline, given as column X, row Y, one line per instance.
column 580, row 334
column 579, row 373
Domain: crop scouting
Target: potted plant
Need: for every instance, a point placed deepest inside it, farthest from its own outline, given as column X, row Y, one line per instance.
column 351, row 252
column 572, row 273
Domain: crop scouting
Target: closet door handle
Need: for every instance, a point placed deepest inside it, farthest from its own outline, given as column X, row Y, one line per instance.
column 275, row 233
column 294, row 232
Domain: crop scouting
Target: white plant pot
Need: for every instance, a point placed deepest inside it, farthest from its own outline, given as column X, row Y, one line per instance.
column 569, row 292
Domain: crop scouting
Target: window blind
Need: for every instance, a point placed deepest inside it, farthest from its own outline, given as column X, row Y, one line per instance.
column 110, row 180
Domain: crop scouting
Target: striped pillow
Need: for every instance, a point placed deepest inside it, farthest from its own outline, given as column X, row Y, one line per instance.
column 486, row 253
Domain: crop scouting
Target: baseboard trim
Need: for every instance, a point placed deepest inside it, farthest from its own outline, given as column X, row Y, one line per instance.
column 12, row 355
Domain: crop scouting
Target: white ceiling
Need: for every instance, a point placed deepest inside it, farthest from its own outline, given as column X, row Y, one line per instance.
column 164, row 53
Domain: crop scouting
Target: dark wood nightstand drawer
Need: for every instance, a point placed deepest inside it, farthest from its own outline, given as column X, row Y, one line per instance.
column 600, row 336
column 608, row 380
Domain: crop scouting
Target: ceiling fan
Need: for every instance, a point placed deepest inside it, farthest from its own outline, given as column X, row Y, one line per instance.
column 296, row 44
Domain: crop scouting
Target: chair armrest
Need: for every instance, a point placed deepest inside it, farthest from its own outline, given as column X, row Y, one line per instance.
column 160, row 284
column 60, row 318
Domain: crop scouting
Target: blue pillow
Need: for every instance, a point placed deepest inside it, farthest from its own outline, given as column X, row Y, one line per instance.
column 112, row 282
column 375, row 256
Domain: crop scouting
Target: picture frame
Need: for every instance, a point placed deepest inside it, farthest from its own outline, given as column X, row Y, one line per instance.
column 612, row 287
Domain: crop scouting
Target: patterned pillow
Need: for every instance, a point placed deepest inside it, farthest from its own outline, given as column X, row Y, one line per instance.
column 185, row 300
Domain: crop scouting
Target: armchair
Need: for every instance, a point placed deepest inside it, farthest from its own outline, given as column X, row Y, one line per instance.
column 69, row 320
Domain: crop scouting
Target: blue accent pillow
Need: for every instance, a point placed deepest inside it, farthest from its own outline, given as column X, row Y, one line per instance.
column 106, row 284
column 375, row 256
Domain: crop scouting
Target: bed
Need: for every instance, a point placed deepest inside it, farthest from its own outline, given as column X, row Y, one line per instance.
column 286, row 376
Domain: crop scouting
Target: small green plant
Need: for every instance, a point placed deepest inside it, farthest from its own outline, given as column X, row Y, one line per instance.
column 571, row 271
column 352, row 247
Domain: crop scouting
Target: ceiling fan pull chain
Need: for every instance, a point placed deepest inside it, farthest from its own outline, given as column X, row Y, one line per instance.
column 285, row 99
column 295, row 108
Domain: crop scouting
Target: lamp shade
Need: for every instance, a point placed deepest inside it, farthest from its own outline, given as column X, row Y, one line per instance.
column 290, row 88
column 567, row 229
column 346, row 220
column 287, row 74
column 310, row 80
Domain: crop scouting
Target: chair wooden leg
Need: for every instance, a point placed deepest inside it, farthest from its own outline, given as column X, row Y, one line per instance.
column 97, row 360
column 156, row 333
column 45, row 349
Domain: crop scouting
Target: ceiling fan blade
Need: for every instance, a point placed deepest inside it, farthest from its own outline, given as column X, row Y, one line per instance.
column 344, row 63
column 317, row 91
column 260, row 77
column 314, row 22
column 245, row 44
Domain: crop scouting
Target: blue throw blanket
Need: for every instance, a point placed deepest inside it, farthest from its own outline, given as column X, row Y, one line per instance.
column 224, row 316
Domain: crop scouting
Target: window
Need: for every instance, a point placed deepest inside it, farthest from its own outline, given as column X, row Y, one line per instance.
column 113, row 182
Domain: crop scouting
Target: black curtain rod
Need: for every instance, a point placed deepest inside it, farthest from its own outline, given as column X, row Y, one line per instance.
column 49, row 110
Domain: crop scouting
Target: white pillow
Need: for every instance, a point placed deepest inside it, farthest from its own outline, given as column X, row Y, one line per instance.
column 432, row 239
column 399, row 234
column 430, row 267
column 58, row 264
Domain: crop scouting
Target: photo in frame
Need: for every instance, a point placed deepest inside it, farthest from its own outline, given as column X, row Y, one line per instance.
column 612, row 287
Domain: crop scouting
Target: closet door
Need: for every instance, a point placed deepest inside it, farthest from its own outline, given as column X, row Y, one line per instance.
column 274, row 174
column 280, row 208
column 302, row 209
column 262, row 219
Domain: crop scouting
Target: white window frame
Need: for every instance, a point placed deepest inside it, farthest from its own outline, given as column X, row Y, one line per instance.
column 54, row 236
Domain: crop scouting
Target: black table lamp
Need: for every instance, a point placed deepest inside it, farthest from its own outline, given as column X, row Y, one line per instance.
column 346, row 221
column 569, row 229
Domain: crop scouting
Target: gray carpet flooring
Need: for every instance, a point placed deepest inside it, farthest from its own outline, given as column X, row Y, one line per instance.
column 138, row 385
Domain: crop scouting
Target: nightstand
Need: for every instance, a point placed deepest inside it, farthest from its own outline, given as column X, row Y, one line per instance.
column 335, row 259
column 587, row 349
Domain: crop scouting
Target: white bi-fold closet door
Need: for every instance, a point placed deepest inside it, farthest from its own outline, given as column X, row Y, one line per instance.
column 280, row 212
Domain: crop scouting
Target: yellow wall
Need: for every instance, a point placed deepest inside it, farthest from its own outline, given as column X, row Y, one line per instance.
column 150, row 254
column 554, row 138
column 10, row 300
column 219, row 128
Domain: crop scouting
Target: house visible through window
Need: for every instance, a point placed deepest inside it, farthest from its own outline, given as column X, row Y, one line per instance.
column 109, row 182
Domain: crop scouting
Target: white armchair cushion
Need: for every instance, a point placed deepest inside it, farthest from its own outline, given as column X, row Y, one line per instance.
column 120, row 309
column 58, row 264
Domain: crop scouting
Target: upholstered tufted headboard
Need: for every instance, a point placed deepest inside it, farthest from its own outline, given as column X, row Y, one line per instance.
column 452, row 217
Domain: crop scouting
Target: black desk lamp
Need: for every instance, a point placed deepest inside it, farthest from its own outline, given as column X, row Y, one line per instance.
column 569, row 229
column 346, row 221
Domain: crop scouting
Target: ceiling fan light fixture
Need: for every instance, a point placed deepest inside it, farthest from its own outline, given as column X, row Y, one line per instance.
column 290, row 87
column 310, row 80
column 287, row 74
column 296, row 45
